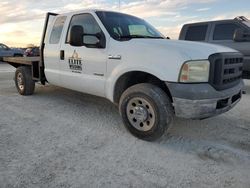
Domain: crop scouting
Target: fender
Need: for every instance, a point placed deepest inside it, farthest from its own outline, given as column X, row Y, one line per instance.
column 123, row 69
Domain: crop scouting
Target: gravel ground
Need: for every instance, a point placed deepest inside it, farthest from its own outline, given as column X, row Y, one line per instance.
column 62, row 138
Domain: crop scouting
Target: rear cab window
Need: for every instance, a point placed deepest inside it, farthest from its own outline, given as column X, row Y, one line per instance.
column 196, row 32
column 57, row 30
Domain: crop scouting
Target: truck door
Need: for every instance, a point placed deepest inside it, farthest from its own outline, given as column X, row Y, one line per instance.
column 83, row 68
column 51, row 49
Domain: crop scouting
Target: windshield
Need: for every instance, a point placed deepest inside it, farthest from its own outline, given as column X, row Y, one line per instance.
column 125, row 27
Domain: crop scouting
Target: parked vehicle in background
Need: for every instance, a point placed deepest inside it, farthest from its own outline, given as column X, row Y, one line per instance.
column 233, row 33
column 5, row 51
column 126, row 60
column 32, row 51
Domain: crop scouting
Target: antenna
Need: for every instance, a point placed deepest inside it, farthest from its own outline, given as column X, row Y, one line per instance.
column 119, row 4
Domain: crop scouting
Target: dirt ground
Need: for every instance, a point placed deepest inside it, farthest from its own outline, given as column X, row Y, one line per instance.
column 62, row 138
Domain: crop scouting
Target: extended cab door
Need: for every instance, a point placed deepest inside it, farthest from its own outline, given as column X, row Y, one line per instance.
column 52, row 48
column 83, row 68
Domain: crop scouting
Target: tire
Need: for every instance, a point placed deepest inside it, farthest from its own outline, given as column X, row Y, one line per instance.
column 23, row 80
column 146, row 111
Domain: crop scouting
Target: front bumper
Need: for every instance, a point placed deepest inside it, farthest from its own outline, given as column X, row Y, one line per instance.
column 199, row 101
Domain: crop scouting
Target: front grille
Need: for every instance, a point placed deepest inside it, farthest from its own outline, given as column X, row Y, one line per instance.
column 225, row 70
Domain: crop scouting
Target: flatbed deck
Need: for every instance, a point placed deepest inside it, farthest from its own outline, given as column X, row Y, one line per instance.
column 33, row 62
column 21, row 60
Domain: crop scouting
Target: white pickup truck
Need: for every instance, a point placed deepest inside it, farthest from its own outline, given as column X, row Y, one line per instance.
column 126, row 60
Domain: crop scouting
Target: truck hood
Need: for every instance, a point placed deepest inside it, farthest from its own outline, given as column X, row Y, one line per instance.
column 193, row 50
column 162, row 58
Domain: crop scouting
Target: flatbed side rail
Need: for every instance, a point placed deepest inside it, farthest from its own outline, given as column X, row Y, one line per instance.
column 16, row 61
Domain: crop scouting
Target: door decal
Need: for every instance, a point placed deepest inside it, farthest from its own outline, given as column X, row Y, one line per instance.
column 75, row 63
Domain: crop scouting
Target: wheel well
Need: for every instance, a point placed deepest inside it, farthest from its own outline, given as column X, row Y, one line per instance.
column 15, row 64
column 131, row 78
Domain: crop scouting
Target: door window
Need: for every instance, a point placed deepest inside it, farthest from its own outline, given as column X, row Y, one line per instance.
column 57, row 30
column 88, row 22
column 224, row 31
column 196, row 33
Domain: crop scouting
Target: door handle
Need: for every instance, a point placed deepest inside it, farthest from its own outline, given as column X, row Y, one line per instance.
column 62, row 54
column 118, row 57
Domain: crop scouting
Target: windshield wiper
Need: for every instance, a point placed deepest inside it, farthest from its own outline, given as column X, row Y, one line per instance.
column 138, row 36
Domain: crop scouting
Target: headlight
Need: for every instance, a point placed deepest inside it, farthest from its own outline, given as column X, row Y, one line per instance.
column 195, row 71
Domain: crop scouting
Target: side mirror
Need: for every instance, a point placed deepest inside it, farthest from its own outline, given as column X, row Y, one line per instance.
column 94, row 40
column 76, row 35
column 240, row 35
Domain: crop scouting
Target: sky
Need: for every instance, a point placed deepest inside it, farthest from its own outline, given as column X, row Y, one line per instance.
column 21, row 21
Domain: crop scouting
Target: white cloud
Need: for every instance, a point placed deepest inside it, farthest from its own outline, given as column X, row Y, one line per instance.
column 231, row 15
column 156, row 8
column 172, row 32
column 203, row 9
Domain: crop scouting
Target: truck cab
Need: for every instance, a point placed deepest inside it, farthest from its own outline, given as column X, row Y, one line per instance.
column 233, row 33
column 68, row 64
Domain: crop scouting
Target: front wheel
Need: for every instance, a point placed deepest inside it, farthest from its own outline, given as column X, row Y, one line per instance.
column 146, row 111
column 23, row 80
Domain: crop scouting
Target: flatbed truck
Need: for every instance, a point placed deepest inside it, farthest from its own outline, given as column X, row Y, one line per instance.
column 126, row 60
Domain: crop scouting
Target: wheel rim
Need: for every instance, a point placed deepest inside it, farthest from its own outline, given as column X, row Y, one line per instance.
column 20, row 82
column 141, row 114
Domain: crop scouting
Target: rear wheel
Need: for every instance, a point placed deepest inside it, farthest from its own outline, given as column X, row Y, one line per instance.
column 146, row 110
column 23, row 80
